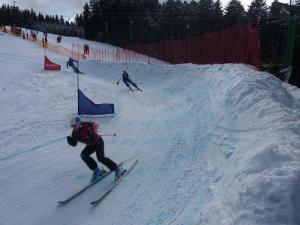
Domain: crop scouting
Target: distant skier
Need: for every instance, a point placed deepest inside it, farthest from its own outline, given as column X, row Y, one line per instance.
column 127, row 81
column 71, row 64
column 86, row 132
column 86, row 50
column 58, row 39
column 46, row 42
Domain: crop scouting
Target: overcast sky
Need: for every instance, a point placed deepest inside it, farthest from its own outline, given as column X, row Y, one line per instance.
column 69, row 8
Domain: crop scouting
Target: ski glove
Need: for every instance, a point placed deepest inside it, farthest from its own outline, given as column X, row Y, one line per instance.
column 71, row 141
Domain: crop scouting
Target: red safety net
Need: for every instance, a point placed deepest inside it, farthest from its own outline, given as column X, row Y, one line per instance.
column 239, row 44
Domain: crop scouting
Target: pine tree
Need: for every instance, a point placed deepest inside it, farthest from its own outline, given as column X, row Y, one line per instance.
column 86, row 22
column 95, row 19
column 258, row 12
column 204, row 15
column 217, row 13
column 235, row 12
column 79, row 20
column 193, row 25
column 167, row 23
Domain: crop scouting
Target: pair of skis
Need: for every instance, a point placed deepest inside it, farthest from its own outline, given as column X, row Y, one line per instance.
column 106, row 192
column 137, row 89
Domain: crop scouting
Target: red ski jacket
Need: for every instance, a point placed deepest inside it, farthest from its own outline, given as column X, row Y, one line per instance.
column 87, row 134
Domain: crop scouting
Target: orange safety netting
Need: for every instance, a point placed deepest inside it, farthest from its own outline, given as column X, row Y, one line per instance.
column 53, row 47
column 61, row 50
column 239, row 44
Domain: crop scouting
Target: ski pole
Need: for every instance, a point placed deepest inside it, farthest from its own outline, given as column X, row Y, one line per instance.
column 108, row 134
column 119, row 81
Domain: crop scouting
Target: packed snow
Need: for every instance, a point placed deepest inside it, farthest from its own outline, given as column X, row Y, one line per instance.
column 216, row 144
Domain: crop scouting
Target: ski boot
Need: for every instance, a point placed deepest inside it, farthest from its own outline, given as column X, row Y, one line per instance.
column 97, row 173
column 119, row 172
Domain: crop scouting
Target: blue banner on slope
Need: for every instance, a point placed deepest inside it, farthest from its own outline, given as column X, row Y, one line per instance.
column 88, row 107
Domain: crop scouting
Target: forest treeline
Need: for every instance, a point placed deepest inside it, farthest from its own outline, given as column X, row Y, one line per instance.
column 29, row 19
column 124, row 22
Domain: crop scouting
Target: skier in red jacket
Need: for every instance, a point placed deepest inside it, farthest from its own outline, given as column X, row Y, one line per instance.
column 86, row 132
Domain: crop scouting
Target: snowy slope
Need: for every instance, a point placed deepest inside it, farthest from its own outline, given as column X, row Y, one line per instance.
column 217, row 144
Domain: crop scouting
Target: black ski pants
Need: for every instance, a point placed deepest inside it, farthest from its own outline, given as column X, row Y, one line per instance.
column 130, row 82
column 99, row 149
column 75, row 69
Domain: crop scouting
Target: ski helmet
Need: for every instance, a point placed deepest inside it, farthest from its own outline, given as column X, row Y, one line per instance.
column 75, row 121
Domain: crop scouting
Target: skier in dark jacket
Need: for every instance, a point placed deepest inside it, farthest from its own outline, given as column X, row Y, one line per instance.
column 86, row 132
column 71, row 64
column 127, row 81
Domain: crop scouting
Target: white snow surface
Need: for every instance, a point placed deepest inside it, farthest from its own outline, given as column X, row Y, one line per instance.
column 216, row 144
